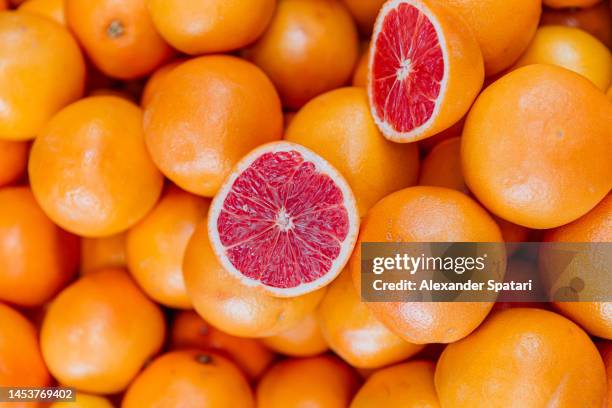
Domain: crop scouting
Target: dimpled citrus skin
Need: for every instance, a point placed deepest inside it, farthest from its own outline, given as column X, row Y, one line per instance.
column 595, row 226
column 156, row 245
column 42, row 71
column 37, row 258
column 103, row 252
column 22, row 363
column 229, row 305
column 83, row 400
column 532, row 357
column 90, row 170
column 352, row 331
column 302, row 340
column 119, row 37
column 525, row 142
column 427, row 214
column 501, row 30
column 190, row 331
column 99, row 331
column 322, row 382
column 315, row 38
column 53, row 9
column 13, row 160
column 408, row 385
column 573, row 49
column 156, row 79
column 204, row 27
column 190, row 378
column 338, row 126
column 206, row 115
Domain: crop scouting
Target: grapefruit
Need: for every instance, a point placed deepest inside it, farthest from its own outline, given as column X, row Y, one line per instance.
column 301, row 340
column 284, row 220
column 425, row 69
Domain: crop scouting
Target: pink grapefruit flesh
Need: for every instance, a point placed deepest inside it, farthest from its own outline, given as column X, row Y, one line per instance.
column 285, row 220
column 406, row 69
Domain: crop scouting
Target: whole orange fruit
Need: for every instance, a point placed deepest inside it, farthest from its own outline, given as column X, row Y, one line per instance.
column 103, row 252
column 322, row 382
column 154, row 81
column 408, row 385
column 302, row 340
column 442, row 166
column 315, row 39
column 155, row 246
column 520, row 349
column 503, row 28
column 37, row 258
column 119, row 37
column 364, row 12
column 90, row 170
column 22, row 363
column 99, row 331
column 196, row 27
column 338, row 126
column 207, row 114
column 190, row 331
column 595, row 20
column 42, row 71
column 189, row 378
column 573, row 49
column 226, row 303
column 427, row 214
column 525, row 142
column 595, row 226
column 52, row 9
column 352, row 331
column 83, row 400
column 13, row 160
column 558, row 4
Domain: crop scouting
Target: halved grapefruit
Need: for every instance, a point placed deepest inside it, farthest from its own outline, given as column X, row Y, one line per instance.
column 425, row 69
column 285, row 220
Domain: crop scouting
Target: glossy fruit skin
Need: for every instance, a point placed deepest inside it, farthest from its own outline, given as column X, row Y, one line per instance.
column 37, row 258
column 97, row 253
column 573, row 49
column 156, row 79
column 52, row 9
column 22, row 363
column 595, row 226
column 206, row 115
column 43, row 71
column 190, row 331
column 559, row 4
column 595, row 20
column 364, row 12
column 156, row 245
column 304, row 339
column 99, row 331
column 520, row 349
column 338, row 126
column 13, row 161
column 119, row 37
column 84, row 400
column 189, row 378
column 324, row 53
column 352, row 331
column 407, row 385
column 195, row 27
column 531, row 170
column 90, row 170
column 322, row 382
column 442, row 166
column 231, row 306
column 427, row 214
column 502, row 32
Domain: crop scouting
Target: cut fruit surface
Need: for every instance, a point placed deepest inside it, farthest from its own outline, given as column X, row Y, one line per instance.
column 425, row 69
column 285, row 220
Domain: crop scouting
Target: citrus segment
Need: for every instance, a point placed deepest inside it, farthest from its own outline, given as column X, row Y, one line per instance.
column 284, row 220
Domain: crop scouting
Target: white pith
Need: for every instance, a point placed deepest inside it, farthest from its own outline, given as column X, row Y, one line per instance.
column 322, row 166
column 387, row 130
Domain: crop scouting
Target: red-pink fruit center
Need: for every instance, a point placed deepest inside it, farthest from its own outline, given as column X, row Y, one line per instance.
column 283, row 222
column 408, row 67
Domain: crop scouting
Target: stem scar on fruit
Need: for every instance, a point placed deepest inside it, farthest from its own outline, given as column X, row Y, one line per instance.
column 115, row 29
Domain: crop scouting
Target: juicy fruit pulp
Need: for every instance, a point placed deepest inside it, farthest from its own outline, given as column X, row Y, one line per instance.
column 407, row 69
column 285, row 219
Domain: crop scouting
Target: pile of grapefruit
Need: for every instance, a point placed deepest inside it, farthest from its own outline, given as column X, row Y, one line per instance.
column 185, row 187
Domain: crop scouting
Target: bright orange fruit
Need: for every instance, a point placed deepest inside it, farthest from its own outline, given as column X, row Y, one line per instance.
column 156, row 79
column 364, row 12
column 304, row 339
column 13, row 160
column 52, row 9
column 595, row 20
column 83, row 400
column 442, row 166
column 97, row 253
